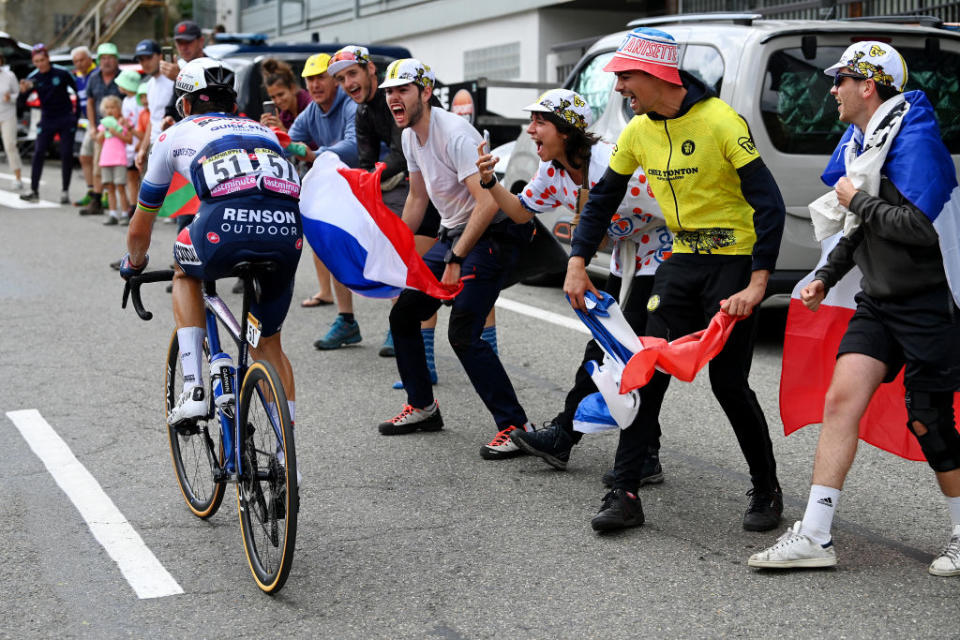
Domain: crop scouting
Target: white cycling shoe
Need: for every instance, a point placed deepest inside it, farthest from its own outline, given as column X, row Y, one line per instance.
column 191, row 406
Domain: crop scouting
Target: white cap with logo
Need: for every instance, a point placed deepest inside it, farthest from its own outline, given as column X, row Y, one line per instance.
column 874, row 60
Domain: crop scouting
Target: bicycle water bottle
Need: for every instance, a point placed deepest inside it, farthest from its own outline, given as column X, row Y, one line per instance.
column 222, row 379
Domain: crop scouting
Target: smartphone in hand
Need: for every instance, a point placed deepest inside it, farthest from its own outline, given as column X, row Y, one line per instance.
column 486, row 140
column 269, row 107
column 166, row 53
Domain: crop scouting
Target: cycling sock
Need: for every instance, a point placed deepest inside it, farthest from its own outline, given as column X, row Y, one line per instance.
column 428, row 335
column 818, row 518
column 191, row 355
column 290, row 407
column 954, row 505
column 489, row 336
column 347, row 317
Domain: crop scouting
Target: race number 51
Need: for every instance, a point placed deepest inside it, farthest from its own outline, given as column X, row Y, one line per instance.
column 253, row 330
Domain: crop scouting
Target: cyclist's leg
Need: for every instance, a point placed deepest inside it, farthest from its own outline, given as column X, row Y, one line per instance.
column 271, row 350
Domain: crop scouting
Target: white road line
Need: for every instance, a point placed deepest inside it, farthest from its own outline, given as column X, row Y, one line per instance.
column 137, row 563
column 540, row 314
column 12, row 200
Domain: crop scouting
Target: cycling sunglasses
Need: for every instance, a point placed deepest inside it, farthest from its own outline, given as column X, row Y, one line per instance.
column 349, row 56
column 837, row 79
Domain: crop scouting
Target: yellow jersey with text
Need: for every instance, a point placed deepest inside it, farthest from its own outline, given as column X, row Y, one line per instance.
column 691, row 163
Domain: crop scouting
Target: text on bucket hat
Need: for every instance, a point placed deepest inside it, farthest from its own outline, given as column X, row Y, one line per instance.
column 649, row 50
column 406, row 71
column 568, row 105
column 346, row 56
column 875, row 60
column 187, row 30
column 315, row 65
column 107, row 49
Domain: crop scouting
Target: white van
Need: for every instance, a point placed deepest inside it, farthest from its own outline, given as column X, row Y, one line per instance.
column 771, row 72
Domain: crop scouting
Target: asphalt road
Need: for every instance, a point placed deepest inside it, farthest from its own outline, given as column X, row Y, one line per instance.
column 416, row 536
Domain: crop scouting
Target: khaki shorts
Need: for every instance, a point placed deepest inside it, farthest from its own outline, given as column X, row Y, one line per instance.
column 114, row 175
column 86, row 147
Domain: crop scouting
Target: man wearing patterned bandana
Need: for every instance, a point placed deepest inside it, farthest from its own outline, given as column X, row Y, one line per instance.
column 907, row 314
column 727, row 215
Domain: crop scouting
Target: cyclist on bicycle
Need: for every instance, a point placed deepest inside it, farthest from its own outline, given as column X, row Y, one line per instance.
column 249, row 211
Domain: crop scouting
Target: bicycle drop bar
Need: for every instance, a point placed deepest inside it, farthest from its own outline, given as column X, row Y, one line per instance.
column 132, row 290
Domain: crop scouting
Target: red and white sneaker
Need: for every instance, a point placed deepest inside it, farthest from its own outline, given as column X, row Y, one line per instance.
column 502, row 446
column 411, row 419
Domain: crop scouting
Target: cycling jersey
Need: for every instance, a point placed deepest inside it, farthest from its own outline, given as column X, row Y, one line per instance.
column 249, row 208
column 691, row 162
column 638, row 218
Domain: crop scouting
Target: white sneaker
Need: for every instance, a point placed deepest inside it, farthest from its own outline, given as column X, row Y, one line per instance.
column 794, row 550
column 18, row 185
column 502, row 446
column 948, row 562
column 191, row 406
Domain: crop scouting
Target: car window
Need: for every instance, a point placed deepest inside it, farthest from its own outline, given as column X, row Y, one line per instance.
column 595, row 84
column 800, row 115
column 704, row 62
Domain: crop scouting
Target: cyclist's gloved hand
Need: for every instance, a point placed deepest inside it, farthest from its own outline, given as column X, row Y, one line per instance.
column 127, row 270
column 297, row 149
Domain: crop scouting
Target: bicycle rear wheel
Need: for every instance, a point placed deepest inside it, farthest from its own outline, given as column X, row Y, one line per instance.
column 267, row 497
column 192, row 453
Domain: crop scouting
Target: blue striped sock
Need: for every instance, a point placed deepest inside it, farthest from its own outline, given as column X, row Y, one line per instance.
column 428, row 351
column 489, row 336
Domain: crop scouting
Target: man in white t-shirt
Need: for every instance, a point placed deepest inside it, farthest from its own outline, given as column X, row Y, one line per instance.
column 159, row 93
column 478, row 245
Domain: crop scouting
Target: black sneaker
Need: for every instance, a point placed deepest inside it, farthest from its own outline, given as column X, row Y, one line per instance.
column 620, row 509
column 31, row 196
column 766, row 507
column 650, row 472
column 551, row 443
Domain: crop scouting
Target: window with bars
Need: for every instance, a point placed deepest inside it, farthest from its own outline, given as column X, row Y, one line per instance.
column 500, row 62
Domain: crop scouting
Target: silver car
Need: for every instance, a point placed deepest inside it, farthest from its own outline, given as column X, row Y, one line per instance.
column 771, row 72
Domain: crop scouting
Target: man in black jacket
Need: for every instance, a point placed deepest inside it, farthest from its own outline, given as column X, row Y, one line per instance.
column 907, row 316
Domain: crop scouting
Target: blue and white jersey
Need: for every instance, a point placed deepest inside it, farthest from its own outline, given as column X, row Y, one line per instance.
column 225, row 156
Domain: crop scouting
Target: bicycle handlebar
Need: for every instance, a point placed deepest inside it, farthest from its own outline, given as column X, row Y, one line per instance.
column 132, row 290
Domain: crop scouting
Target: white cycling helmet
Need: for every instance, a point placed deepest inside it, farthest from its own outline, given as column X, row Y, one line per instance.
column 203, row 78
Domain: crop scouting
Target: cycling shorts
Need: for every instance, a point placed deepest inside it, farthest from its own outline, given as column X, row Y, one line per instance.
column 254, row 228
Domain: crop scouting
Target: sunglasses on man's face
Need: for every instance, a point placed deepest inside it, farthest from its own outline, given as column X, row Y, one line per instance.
column 838, row 79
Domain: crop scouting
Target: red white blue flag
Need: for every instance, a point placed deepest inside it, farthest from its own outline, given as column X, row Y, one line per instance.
column 366, row 246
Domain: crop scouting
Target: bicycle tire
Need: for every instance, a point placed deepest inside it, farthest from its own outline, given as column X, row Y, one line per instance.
column 191, row 453
column 267, row 492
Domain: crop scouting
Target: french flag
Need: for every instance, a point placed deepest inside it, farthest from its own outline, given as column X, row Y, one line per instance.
column 928, row 179
column 366, row 246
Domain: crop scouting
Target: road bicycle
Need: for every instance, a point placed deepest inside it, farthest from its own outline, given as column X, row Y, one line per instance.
column 249, row 442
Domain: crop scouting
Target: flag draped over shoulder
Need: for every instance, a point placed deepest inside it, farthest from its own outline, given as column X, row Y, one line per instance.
column 921, row 168
column 810, row 344
column 366, row 246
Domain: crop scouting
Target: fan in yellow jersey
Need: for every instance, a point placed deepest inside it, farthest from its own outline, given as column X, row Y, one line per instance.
column 727, row 215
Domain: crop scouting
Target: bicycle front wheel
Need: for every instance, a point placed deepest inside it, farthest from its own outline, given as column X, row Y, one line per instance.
column 192, row 450
column 267, row 497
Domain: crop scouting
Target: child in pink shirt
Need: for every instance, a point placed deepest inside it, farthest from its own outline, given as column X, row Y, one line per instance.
column 114, row 135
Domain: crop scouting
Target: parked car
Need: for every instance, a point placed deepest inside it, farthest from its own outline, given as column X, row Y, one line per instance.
column 771, row 72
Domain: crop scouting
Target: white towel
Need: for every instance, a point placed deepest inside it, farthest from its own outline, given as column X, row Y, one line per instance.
column 826, row 213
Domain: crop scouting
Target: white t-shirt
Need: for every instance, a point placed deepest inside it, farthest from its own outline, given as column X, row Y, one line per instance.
column 447, row 159
column 8, row 85
column 638, row 218
column 131, row 111
column 159, row 92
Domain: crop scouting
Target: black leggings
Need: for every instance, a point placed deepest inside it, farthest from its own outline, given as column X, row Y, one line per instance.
column 66, row 126
column 686, row 293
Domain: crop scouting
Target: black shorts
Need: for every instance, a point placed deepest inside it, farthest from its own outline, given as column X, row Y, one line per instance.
column 920, row 333
column 397, row 197
column 255, row 228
